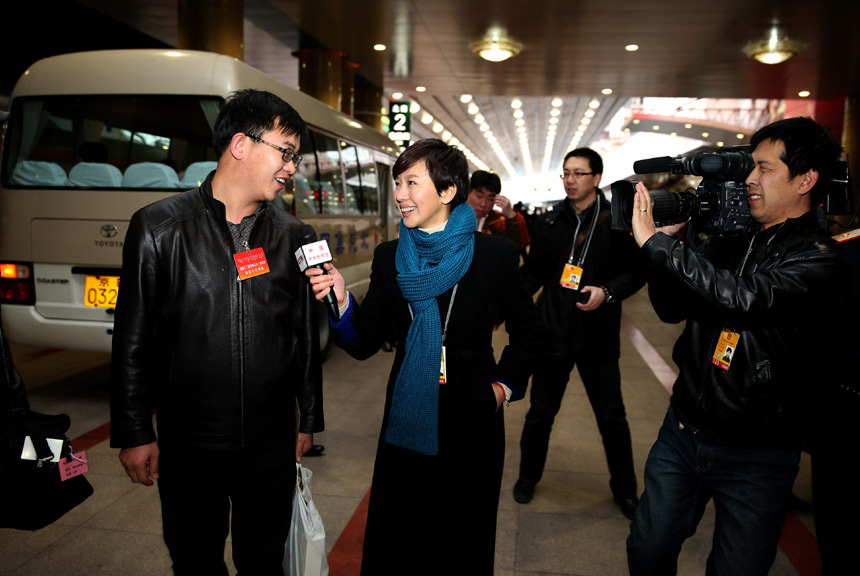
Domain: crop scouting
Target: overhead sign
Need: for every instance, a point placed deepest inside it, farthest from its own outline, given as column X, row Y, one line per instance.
column 400, row 128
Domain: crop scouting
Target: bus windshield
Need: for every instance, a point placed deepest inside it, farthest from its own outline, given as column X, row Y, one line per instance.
column 110, row 141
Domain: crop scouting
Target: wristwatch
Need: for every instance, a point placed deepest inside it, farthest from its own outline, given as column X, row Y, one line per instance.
column 608, row 296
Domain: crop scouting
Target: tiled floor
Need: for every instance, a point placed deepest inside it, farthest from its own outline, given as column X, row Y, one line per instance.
column 572, row 527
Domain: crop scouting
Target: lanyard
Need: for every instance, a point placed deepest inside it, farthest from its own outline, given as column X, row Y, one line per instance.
column 590, row 234
column 447, row 316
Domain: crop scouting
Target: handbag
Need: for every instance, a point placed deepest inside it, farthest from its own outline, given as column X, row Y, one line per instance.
column 305, row 549
column 33, row 493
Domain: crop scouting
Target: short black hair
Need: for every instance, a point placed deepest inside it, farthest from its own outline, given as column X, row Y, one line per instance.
column 808, row 146
column 446, row 165
column 484, row 179
column 594, row 159
column 254, row 112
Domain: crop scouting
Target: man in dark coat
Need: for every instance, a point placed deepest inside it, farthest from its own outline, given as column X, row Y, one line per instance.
column 585, row 269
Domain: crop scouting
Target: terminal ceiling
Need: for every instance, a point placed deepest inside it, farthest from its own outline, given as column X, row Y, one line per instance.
column 571, row 49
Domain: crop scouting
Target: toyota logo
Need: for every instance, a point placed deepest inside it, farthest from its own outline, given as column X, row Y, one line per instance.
column 108, row 231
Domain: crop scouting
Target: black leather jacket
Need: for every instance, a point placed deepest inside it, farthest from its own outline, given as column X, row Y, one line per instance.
column 222, row 361
column 609, row 261
column 778, row 290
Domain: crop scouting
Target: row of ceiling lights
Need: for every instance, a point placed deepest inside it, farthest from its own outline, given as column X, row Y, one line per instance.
column 439, row 129
column 496, row 46
column 688, row 126
column 520, row 126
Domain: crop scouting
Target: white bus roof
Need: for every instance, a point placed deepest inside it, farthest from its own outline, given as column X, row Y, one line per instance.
column 185, row 72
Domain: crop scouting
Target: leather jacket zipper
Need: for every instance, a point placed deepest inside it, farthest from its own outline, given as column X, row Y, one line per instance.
column 241, row 308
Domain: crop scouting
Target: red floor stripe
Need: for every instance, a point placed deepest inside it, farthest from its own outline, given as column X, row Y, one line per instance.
column 345, row 558
column 89, row 439
column 800, row 546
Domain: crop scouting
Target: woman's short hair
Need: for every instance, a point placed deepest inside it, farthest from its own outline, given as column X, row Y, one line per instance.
column 446, row 165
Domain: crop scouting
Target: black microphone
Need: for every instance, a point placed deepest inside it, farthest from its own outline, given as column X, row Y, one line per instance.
column 653, row 165
column 315, row 254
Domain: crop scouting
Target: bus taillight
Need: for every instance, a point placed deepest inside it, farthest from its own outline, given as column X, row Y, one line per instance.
column 16, row 283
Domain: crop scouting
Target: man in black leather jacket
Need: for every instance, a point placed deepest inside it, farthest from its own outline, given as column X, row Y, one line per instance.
column 735, row 425
column 216, row 330
column 582, row 321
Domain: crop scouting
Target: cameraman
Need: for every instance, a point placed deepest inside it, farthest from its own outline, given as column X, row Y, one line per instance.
column 734, row 428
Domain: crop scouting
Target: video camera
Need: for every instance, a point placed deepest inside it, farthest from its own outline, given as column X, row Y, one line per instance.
column 718, row 206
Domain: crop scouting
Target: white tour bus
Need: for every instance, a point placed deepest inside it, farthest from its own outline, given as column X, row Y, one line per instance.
column 93, row 136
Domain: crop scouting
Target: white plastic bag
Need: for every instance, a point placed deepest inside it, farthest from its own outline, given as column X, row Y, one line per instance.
column 305, row 551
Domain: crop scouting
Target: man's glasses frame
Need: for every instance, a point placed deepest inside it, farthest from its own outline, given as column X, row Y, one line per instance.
column 574, row 175
column 289, row 155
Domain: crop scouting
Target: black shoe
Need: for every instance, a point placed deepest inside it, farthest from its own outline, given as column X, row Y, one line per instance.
column 628, row 506
column 315, row 450
column 524, row 491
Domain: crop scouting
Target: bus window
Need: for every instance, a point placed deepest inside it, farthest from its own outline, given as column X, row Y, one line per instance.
column 369, row 182
column 306, row 179
column 352, row 178
column 98, row 139
column 330, row 183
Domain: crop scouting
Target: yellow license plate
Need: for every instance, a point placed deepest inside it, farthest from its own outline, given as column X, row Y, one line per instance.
column 101, row 291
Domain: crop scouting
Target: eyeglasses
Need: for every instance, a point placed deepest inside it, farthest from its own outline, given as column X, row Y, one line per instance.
column 574, row 175
column 289, row 155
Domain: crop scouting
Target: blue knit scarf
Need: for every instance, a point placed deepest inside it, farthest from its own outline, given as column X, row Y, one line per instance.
column 428, row 265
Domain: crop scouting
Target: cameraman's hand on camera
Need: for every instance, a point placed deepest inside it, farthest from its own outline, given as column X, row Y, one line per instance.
column 332, row 280
column 643, row 218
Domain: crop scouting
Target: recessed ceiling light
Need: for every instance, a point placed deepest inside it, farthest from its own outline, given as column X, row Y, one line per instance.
column 688, row 126
column 516, row 103
column 379, row 47
column 557, row 102
column 420, row 89
column 466, row 98
column 606, row 91
column 705, row 134
column 740, row 136
column 632, row 47
column 594, row 104
column 397, row 95
column 804, row 93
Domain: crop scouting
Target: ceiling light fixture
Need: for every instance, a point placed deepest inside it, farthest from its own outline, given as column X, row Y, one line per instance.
column 496, row 46
column 774, row 48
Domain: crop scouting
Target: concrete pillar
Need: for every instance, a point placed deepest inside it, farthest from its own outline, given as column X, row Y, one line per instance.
column 212, row 26
column 321, row 74
column 368, row 102
column 851, row 141
column 347, row 87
